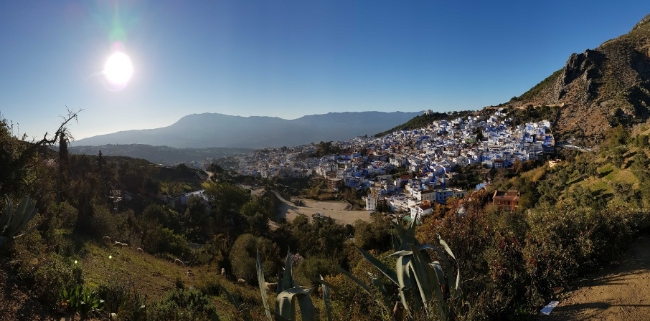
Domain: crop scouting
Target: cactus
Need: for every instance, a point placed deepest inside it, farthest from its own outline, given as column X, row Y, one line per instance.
column 14, row 222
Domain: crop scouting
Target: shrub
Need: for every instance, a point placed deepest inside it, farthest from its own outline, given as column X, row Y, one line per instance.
column 243, row 253
column 312, row 268
column 81, row 299
column 53, row 275
column 183, row 305
column 123, row 300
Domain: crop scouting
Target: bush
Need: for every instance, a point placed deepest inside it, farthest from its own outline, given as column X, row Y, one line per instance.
column 312, row 268
column 53, row 275
column 124, row 300
column 244, row 253
column 163, row 240
column 183, row 305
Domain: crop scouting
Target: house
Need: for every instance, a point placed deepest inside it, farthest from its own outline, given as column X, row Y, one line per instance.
column 420, row 210
column 200, row 194
column 424, row 195
column 371, row 201
column 507, row 201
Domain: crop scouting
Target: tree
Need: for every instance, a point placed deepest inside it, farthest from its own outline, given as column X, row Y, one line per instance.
column 375, row 235
column 244, row 253
column 18, row 157
column 196, row 219
column 312, row 268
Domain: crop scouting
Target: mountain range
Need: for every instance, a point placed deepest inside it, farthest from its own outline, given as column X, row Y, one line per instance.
column 218, row 130
column 594, row 91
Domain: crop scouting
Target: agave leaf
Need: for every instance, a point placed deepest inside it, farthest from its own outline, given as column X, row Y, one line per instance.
column 262, row 284
column 5, row 219
column 326, row 299
column 26, row 232
column 404, row 280
column 402, row 253
column 232, row 299
column 439, row 274
column 399, row 231
column 287, row 277
column 419, row 266
column 329, row 285
column 446, row 246
column 446, row 265
column 307, row 311
column 395, row 241
column 406, row 236
column 381, row 266
column 286, row 306
column 24, row 214
column 454, row 289
column 376, row 282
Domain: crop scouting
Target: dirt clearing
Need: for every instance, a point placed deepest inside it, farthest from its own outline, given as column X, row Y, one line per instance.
column 620, row 292
column 335, row 210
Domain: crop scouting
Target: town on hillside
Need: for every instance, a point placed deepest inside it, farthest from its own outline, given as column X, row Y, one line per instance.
column 429, row 156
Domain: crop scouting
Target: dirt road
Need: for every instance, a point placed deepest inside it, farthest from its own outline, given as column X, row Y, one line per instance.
column 620, row 292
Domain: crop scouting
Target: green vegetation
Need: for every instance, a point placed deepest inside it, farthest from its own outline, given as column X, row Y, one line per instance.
column 80, row 246
column 533, row 92
column 530, row 114
column 423, row 284
column 425, row 120
column 14, row 222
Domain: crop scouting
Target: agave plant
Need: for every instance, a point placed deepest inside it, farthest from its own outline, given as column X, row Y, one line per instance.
column 14, row 222
column 288, row 293
column 423, row 283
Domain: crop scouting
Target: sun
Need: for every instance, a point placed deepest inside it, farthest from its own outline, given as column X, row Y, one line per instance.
column 118, row 69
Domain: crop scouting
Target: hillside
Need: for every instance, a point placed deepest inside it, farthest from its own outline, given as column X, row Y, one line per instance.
column 599, row 88
column 424, row 120
column 217, row 130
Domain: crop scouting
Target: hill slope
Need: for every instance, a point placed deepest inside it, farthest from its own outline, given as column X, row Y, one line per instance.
column 599, row 88
column 217, row 130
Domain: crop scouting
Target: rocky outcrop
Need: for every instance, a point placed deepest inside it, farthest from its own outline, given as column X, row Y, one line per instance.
column 599, row 88
column 587, row 68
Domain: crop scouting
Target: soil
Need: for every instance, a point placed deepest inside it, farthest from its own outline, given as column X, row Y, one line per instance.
column 336, row 210
column 620, row 292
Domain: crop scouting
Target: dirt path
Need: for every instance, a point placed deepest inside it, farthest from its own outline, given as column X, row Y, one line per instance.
column 335, row 210
column 620, row 292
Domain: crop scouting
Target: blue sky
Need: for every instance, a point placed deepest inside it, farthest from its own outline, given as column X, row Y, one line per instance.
column 284, row 58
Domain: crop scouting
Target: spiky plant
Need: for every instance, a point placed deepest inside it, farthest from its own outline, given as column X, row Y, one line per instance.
column 13, row 222
column 288, row 293
column 423, row 283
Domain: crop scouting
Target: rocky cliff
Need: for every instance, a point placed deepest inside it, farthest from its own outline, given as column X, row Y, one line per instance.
column 599, row 88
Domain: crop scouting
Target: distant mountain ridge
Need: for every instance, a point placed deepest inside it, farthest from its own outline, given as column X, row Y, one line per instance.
column 217, row 130
column 598, row 89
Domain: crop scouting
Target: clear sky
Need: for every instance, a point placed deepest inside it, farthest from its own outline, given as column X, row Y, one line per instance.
column 283, row 58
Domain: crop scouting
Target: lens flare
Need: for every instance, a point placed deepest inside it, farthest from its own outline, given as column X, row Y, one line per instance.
column 118, row 69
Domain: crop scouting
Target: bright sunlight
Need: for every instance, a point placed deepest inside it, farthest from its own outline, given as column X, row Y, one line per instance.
column 118, row 69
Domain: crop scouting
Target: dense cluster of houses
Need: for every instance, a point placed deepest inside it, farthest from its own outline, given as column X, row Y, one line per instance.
column 431, row 153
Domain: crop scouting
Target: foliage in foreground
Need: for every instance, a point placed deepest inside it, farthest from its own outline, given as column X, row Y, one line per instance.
column 423, row 284
column 13, row 222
